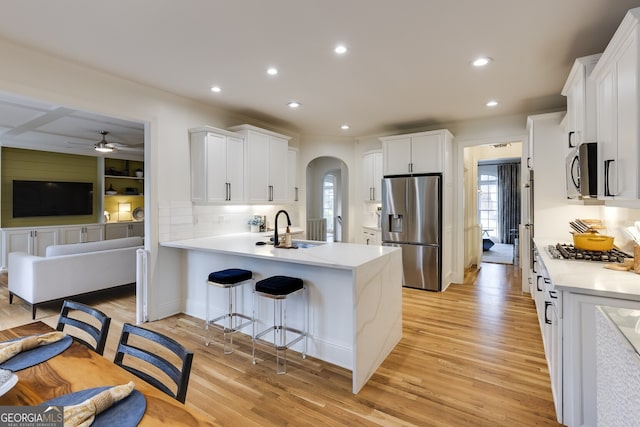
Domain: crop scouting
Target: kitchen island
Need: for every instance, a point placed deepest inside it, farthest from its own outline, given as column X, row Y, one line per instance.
column 355, row 293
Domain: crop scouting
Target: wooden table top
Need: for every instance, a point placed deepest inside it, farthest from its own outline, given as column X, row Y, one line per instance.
column 79, row 368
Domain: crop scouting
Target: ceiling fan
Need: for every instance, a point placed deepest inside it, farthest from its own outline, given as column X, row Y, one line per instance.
column 103, row 146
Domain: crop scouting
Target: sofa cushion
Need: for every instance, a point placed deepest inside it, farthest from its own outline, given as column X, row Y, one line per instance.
column 103, row 245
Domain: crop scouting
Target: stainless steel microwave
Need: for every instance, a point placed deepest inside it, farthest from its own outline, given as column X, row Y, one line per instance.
column 582, row 171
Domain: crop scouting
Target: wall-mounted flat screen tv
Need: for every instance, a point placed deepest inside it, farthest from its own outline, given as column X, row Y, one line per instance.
column 52, row 198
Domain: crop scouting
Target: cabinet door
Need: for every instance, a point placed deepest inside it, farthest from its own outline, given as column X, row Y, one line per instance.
column 93, row 233
column 607, row 123
column 116, row 231
column 70, row 235
column 372, row 176
column 628, row 120
column 426, row 153
column 397, row 156
column 19, row 241
column 576, row 110
column 292, row 175
column 136, row 229
column 216, row 154
column 43, row 238
column 367, row 177
column 198, row 158
column 377, row 176
column 258, row 167
column 234, row 166
column 278, row 155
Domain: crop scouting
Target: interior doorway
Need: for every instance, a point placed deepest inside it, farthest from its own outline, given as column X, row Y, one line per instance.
column 490, row 233
column 327, row 199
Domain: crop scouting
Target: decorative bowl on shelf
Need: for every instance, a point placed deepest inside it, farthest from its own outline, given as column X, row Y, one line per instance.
column 110, row 192
column 138, row 214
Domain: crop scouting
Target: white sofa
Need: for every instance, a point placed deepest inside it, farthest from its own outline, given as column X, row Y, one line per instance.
column 70, row 270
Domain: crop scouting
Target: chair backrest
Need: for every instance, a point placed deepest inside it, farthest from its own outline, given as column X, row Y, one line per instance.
column 150, row 347
column 98, row 331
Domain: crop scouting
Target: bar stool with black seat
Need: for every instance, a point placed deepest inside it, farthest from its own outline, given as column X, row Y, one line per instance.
column 229, row 279
column 279, row 288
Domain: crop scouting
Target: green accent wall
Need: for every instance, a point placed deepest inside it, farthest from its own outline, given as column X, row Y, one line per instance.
column 36, row 165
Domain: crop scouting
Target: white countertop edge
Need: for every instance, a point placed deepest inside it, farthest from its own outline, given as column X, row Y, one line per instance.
column 586, row 277
column 347, row 256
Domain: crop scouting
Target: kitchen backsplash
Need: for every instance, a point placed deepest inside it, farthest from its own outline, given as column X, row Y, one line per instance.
column 617, row 218
column 180, row 220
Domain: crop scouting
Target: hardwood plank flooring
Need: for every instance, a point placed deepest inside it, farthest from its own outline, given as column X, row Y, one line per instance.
column 469, row 356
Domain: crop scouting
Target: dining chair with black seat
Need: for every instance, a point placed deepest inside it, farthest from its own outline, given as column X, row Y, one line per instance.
column 93, row 323
column 150, row 354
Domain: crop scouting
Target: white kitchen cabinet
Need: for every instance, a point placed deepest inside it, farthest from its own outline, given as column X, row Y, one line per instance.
column 119, row 230
column 292, row 175
column 548, row 304
column 371, row 237
column 33, row 241
column 372, row 176
column 580, row 90
column 423, row 152
column 618, row 106
column 217, row 165
column 81, row 234
column 266, row 164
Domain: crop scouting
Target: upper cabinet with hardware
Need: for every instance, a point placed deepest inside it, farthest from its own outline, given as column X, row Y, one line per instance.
column 292, row 175
column 580, row 90
column 372, row 176
column 618, row 107
column 424, row 152
column 266, row 164
column 217, row 165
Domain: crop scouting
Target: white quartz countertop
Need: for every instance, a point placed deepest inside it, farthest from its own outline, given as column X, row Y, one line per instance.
column 329, row 254
column 588, row 277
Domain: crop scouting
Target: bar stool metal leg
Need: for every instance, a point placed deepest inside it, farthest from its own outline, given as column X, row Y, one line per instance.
column 279, row 288
column 231, row 321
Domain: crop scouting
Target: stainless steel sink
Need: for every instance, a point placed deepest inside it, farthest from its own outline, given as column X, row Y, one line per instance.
column 307, row 243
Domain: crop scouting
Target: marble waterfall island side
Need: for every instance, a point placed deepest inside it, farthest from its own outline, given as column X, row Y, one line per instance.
column 355, row 293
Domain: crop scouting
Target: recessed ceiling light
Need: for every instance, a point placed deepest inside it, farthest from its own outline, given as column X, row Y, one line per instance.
column 340, row 49
column 481, row 62
column 215, row 89
column 294, row 104
column 492, row 103
column 345, row 127
column 272, row 71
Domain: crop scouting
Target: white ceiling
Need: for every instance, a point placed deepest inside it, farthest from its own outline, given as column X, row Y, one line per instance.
column 32, row 124
column 408, row 64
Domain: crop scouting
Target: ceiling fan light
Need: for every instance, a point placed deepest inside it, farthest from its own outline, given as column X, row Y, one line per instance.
column 103, row 146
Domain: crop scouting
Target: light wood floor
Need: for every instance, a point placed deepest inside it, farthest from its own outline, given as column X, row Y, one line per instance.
column 470, row 356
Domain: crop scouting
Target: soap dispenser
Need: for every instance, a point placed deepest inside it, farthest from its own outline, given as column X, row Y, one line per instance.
column 287, row 238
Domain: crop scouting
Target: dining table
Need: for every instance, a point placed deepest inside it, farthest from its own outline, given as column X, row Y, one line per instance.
column 78, row 368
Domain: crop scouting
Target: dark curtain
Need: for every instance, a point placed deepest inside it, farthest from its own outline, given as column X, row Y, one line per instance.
column 508, row 201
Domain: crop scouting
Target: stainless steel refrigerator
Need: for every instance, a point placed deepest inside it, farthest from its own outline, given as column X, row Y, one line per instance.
column 411, row 219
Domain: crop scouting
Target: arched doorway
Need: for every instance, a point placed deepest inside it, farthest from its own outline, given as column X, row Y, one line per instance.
column 327, row 197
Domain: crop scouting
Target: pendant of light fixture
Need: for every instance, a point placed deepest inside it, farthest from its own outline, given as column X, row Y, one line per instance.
column 103, row 146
